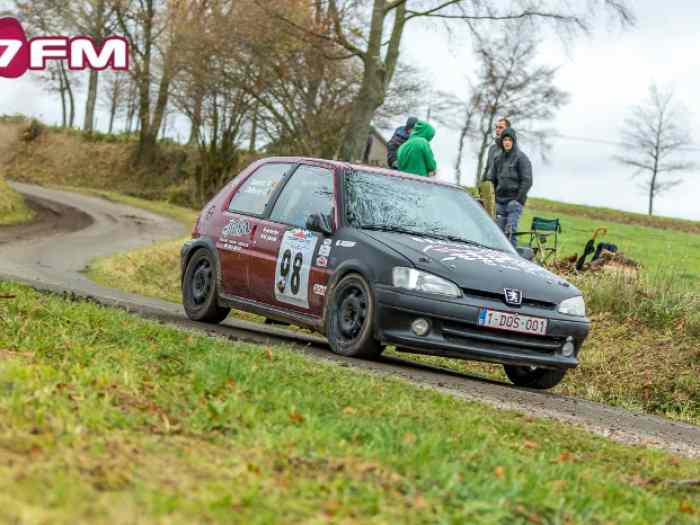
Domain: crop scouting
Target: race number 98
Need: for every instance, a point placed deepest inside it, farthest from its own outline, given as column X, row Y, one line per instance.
column 293, row 267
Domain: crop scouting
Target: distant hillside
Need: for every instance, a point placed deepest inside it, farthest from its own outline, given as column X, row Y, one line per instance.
column 612, row 215
column 59, row 157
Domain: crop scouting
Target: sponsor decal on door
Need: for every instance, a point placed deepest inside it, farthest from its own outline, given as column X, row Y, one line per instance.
column 293, row 267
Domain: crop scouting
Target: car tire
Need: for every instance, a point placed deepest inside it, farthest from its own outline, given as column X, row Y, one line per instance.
column 199, row 290
column 350, row 319
column 533, row 377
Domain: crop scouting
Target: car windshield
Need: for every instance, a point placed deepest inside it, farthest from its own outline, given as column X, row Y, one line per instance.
column 381, row 202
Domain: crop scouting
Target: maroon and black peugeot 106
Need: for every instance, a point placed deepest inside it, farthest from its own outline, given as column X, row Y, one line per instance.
column 372, row 257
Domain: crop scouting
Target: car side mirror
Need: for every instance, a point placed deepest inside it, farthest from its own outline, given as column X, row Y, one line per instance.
column 526, row 252
column 319, row 223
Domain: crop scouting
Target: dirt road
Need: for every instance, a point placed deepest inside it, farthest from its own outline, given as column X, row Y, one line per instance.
column 55, row 250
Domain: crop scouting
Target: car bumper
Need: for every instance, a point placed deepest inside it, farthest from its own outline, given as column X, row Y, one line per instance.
column 455, row 331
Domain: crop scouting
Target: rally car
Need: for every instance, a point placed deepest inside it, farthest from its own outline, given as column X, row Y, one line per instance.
column 372, row 257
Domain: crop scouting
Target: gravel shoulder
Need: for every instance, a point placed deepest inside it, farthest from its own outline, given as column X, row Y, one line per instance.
column 51, row 253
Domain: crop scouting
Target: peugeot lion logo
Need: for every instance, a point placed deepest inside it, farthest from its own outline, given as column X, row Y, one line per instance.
column 514, row 297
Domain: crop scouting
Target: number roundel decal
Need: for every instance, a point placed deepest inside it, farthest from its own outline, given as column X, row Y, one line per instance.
column 294, row 266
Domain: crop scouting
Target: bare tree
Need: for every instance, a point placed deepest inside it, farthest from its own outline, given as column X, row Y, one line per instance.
column 153, row 29
column 654, row 135
column 41, row 17
column 511, row 83
column 115, row 95
column 373, row 35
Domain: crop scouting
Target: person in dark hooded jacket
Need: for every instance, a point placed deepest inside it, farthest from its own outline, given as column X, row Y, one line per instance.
column 400, row 136
column 511, row 175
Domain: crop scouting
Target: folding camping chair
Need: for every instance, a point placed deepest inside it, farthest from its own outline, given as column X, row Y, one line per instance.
column 542, row 231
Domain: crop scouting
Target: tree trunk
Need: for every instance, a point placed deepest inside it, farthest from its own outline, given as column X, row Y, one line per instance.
column 90, row 103
column 462, row 139
column 368, row 100
column 652, row 185
column 62, row 91
column 196, row 119
column 71, row 99
column 149, row 147
column 98, row 36
column 480, row 159
column 372, row 90
column 253, row 130
column 113, row 108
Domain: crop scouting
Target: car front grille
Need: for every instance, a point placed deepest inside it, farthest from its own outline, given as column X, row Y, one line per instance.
column 501, row 297
column 461, row 332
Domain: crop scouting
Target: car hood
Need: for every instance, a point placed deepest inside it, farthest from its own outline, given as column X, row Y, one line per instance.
column 478, row 269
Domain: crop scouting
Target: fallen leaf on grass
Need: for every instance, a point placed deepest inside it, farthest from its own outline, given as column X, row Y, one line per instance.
column 409, row 438
column 559, row 485
column 686, row 508
column 420, row 503
column 532, row 517
column 331, row 507
column 565, row 457
column 500, row 472
column 296, row 417
column 531, row 445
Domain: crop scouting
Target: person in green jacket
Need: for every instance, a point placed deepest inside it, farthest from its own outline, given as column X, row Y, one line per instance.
column 415, row 155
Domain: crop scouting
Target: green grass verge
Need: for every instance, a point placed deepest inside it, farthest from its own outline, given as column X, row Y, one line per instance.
column 13, row 210
column 107, row 418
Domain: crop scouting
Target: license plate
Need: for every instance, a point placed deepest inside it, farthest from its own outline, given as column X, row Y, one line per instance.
column 512, row 322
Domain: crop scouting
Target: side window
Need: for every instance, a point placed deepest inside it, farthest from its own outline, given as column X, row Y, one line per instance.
column 310, row 190
column 252, row 197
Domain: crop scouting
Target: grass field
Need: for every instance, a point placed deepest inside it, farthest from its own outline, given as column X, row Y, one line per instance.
column 105, row 418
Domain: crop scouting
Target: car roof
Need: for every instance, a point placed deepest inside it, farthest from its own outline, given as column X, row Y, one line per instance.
column 362, row 167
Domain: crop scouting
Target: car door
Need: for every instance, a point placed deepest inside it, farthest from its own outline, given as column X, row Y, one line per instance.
column 290, row 263
column 241, row 221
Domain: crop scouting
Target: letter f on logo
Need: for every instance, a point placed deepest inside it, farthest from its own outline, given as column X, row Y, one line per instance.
column 14, row 49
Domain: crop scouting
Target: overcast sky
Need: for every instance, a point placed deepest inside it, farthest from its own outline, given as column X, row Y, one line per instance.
column 604, row 74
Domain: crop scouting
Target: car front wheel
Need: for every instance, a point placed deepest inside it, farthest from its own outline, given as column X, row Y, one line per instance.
column 533, row 377
column 199, row 290
column 350, row 319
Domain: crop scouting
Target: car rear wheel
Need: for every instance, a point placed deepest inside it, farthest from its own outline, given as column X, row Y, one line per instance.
column 350, row 319
column 199, row 290
column 533, row 377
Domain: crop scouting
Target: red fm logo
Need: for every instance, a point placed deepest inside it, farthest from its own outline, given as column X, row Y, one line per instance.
column 18, row 54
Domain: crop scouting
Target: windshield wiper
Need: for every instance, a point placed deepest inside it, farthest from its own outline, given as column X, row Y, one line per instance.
column 456, row 238
column 390, row 228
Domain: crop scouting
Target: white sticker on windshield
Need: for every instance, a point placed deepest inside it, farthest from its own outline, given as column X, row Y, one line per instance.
column 293, row 267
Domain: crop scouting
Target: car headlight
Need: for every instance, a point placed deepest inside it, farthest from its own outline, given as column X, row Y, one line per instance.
column 412, row 279
column 574, row 306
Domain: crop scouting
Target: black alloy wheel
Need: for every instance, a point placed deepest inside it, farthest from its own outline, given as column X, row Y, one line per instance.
column 350, row 319
column 199, row 290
